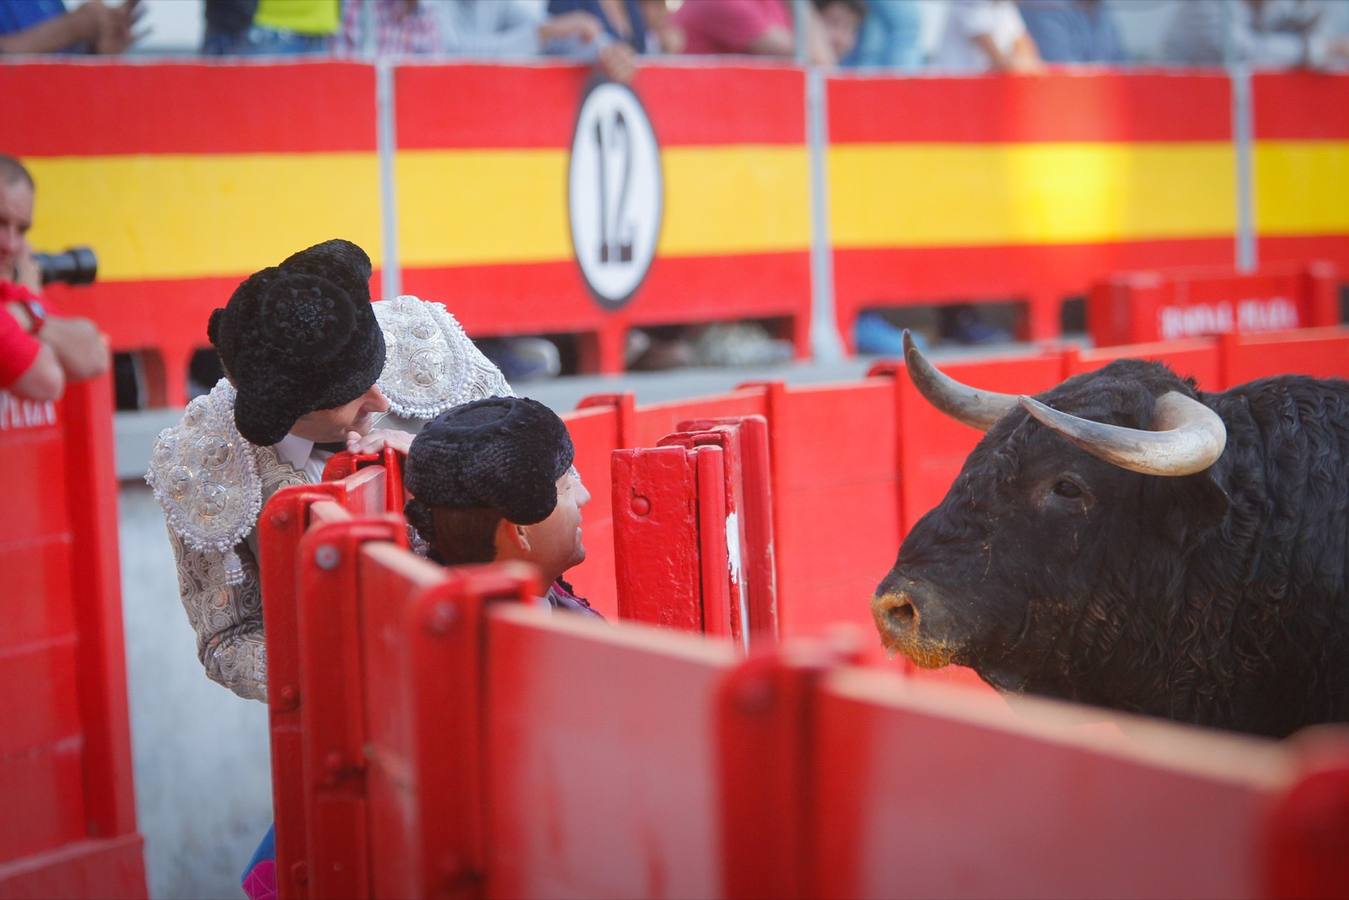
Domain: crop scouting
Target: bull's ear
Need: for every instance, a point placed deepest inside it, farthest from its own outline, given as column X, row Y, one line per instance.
column 1198, row 504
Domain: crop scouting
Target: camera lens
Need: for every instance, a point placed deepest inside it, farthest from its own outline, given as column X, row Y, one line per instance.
column 78, row 265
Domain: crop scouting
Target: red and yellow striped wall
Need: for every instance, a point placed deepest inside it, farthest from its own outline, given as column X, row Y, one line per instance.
column 1300, row 166
column 185, row 178
column 481, row 170
column 1024, row 188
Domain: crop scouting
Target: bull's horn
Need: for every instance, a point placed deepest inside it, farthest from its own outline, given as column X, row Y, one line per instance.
column 976, row 408
column 1188, row 437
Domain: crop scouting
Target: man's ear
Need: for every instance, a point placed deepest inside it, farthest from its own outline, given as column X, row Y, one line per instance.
column 514, row 536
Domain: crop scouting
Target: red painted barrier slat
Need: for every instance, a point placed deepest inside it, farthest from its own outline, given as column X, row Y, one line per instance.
column 934, row 795
column 1137, row 307
column 1318, row 352
column 65, row 757
column 603, row 778
column 1105, row 107
column 115, row 108
column 1299, row 105
column 1198, row 358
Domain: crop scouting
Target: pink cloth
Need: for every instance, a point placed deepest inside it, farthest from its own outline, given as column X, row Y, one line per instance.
column 728, row 26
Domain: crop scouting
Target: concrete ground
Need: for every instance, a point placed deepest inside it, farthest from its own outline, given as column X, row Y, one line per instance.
column 203, row 785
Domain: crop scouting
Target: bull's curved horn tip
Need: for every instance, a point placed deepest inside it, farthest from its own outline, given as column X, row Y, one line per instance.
column 909, row 345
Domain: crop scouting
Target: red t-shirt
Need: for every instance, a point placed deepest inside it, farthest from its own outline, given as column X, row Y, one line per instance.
column 18, row 349
column 728, row 26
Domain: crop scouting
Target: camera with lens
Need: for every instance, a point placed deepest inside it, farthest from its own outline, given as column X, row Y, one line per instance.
column 78, row 265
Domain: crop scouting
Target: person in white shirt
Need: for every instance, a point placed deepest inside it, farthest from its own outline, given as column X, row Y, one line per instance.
column 985, row 36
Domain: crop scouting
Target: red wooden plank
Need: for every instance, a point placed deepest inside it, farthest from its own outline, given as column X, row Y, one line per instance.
column 603, row 776
column 656, row 538
column 1318, row 352
column 594, row 434
column 483, row 105
column 1062, row 106
column 40, row 571
column 1302, row 105
column 44, row 800
column 117, row 108
column 1197, row 358
column 110, row 868
column 938, row 793
column 38, row 694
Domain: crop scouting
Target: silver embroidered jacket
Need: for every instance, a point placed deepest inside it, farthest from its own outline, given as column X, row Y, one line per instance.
column 211, row 483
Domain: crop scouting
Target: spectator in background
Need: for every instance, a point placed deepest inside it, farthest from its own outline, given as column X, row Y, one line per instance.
column 45, row 26
column 840, row 20
column 277, row 27
column 1263, row 33
column 1073, row 31
column 763, row 28
column 624, row 35
column 890, row 36
column 495, row 29
column 76, row 345
column 986, row 36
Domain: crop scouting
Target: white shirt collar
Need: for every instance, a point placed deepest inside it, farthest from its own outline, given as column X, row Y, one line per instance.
column 294, row 450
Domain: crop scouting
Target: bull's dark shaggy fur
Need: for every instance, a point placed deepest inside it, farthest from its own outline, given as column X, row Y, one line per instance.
column 1220, row 598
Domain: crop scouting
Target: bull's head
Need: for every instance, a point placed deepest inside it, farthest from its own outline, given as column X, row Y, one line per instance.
column 1055, row 525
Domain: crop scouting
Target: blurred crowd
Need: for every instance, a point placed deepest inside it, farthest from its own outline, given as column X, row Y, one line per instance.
column 942, row 35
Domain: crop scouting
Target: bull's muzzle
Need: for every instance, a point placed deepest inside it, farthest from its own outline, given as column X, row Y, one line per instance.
column 899, row 620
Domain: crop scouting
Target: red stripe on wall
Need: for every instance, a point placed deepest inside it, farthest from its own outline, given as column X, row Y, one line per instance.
column 1332, row 247
column 1010, row 108
column 519, row 299
column 895, row 276
column 1300, row 105
column 90, row 109
column 485, row 106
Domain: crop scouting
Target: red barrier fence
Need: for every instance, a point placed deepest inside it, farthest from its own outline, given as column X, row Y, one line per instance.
column 68, row 822
column 1137, row 307
column 458, row 746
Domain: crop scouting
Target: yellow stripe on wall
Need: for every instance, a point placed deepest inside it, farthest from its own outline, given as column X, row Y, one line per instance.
column 465, row 207
column 190, row 216
column 917, row 195
column 1301, row 187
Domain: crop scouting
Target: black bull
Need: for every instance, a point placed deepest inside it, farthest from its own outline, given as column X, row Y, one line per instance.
column 1157, row 550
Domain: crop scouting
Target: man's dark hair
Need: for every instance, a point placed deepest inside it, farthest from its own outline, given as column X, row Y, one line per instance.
column 13, row 172
column 463, row 536
column 857, row 6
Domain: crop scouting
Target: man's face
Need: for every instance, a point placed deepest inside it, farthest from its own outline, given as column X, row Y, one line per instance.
column 360, row 415
column 841, row 23
column 16, row 216
column 555, row 544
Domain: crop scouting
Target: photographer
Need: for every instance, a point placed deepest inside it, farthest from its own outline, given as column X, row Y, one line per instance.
column 80, row 349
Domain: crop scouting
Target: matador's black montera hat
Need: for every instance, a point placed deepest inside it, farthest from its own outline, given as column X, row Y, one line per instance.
column 298, row 337
column 502, row 453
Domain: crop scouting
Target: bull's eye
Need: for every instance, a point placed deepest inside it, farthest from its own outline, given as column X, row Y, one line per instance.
column 1066, row 488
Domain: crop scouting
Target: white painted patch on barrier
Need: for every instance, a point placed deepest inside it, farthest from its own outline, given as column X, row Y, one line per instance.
column 737, row 573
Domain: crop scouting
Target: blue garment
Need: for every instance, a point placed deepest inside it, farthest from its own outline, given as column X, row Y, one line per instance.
column 16, row 15
column 638, row 38
column 1069, row 31
column 261, row 41
column 889, row 36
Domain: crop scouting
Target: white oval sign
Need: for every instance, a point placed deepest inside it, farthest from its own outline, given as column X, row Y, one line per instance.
column 614, row 193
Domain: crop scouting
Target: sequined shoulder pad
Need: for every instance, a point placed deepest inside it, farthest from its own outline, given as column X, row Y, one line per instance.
column 430, row 364
column 205, row 477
